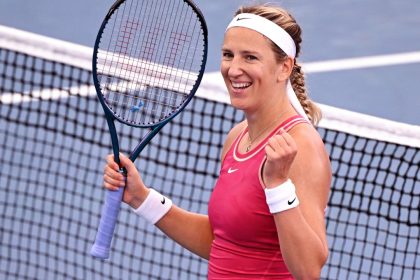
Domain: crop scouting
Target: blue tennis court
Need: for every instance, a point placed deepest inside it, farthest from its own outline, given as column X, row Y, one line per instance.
column 362, row 56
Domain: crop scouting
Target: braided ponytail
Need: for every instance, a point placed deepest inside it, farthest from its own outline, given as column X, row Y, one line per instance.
column 297, row 78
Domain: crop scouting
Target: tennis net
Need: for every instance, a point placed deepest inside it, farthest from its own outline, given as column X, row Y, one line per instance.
column 53, row 139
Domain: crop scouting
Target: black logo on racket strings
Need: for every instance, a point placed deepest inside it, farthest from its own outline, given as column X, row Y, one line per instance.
column 163, row 200
column 291, row 202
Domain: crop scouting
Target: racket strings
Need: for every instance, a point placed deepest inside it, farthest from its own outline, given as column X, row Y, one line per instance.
column 125, row 35
column 153, row 97
column 152, row 61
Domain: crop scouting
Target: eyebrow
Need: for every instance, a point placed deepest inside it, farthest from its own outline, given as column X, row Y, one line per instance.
column 244, row 52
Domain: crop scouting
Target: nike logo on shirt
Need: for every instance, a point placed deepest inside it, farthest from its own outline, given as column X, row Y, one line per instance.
column 231, row 170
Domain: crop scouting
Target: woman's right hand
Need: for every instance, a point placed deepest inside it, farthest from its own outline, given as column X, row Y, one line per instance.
column 135, row 191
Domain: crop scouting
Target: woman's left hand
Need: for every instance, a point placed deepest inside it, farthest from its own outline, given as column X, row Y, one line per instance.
column 280, row 151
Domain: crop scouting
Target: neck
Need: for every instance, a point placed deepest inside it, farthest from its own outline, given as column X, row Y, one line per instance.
column 261, row 121
column 258, row 130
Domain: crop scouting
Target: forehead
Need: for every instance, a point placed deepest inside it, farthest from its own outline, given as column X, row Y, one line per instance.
column 241, row 37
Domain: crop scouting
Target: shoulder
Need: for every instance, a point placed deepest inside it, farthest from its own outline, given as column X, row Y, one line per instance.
column 232, row 135
column 308, row 139
column 311, row 169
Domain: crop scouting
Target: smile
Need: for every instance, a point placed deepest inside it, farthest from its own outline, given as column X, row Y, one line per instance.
column 240, row 85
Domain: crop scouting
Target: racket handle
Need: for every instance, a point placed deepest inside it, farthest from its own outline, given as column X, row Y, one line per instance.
column 100, row 248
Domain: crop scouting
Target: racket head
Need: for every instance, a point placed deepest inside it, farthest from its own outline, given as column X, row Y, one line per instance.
column 148, row 60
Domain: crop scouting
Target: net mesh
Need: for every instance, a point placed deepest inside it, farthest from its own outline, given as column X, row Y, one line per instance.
column 54, row 138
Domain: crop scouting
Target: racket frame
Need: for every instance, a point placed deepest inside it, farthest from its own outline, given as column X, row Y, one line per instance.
column 102, row 252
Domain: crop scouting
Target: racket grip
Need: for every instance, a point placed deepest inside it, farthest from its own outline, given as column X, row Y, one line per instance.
column 100, row 248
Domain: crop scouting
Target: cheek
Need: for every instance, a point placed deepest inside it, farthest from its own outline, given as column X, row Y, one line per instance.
column 223, row 66
column 224, row 69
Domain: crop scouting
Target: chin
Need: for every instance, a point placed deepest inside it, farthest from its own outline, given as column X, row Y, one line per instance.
column 237, row 103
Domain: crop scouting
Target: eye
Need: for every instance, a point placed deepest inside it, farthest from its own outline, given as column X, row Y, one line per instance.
column 251, row 57
column 227, row 55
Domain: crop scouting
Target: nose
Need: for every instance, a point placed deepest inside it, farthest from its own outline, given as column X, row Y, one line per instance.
column 234, row 68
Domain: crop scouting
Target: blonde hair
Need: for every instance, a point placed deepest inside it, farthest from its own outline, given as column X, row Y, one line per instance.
column 286, row 21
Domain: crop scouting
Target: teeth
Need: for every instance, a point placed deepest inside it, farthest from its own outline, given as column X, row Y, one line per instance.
column 240, row 85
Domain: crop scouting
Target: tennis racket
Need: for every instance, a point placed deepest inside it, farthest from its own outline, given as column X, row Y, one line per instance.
column 148, row 61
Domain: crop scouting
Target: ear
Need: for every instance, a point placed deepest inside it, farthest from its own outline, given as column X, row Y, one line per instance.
column 285, row 69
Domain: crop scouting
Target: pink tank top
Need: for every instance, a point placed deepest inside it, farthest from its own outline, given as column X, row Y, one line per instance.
column 246, row 244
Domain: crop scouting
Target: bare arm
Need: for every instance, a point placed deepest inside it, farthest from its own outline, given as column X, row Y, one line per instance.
column 301, row 230
column 191, row 230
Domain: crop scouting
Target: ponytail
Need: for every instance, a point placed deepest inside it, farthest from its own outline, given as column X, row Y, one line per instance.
column 298, row 83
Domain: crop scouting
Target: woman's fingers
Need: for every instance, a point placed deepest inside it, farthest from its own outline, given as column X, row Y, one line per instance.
column 280, row 146
column 113, row 179
column 280, row 152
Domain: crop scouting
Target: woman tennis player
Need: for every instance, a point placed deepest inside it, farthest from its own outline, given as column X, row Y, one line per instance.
column 266, row 213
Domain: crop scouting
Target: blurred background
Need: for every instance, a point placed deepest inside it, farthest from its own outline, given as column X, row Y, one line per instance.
column 346, row 29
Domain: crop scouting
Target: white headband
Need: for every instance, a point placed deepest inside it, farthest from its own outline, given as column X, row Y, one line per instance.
column 279, row 37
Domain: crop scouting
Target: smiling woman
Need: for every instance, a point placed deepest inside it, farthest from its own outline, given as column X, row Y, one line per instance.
column 283, row 47
column 249, row 69
column 275, row 227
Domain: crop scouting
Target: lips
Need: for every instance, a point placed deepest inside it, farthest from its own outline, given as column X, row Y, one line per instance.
column 240, row 85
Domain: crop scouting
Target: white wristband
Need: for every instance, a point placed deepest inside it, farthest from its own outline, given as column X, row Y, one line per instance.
column 154, row 207
column 282, row 197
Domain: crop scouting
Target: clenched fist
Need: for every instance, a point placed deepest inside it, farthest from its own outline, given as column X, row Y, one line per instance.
column 280, row 151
